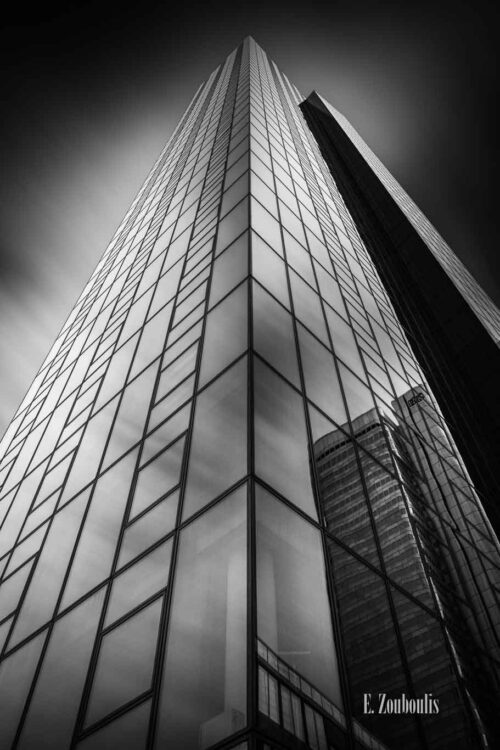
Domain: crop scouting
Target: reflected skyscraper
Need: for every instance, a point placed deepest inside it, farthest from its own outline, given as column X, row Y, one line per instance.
column 230, row 505
column 392, row 496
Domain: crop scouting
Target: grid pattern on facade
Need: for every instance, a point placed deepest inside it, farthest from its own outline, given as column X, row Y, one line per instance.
column 476, row 297
column 165, row 499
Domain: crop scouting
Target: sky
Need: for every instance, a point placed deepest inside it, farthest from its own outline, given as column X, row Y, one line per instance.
column 91, row 91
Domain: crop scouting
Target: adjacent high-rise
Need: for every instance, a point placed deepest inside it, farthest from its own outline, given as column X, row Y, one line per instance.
column 232, row 512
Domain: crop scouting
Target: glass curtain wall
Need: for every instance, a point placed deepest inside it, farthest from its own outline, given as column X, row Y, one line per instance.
column 229, row 498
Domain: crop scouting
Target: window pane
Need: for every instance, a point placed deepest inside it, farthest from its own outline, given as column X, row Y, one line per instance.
column 232, row 225
column 342, row 496
column 158, row 477
column 320, row 377
column 358, row 396
column 90, row 451
column 229, row 269
column 114, row 380
column 152, row 340
column 125, row 664
column 330, row 290
column 219, row 446
column 266, row 225
column 299, row 259
column 344, row 343
column 226, row 334
column 281, row 446
column 292, row 603
column 269, row 270
column 371, row 650
column 128, row 732
column 138, row 583
column 16, row 674
column 129, row 424
column 149, row 529
column 11, row 590
column 45, row 585
column 204, row 683
column 165, row 434
column 273, row 334
column 15, row 512
column 97, row 544
column 52, row 713
column 172, row 401
column 307, row 307
column 177, row 371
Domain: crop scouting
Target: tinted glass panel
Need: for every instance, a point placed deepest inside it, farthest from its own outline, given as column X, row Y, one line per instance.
column 293, row 611
column 125, row 664
column 204, row 683
column 96, row 547
column 138, row 583
column 219, row 447
column 127, row 732
column 281, row 445
column 52, row 714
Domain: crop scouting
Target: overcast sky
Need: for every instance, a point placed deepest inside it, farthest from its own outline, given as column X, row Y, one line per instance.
column 92, row 90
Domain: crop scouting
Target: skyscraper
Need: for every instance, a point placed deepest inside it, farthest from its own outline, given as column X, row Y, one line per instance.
column 232, row 512
column 453, row 326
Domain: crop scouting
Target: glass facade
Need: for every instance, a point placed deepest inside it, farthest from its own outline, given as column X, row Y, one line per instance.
column 230, row 505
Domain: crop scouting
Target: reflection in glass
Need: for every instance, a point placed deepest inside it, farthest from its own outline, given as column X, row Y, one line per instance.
column 116, row 374
column 96, row 547
column 292, row 602
column 149, row 528
column 307, row 307
column 358, row 395
column 299, row 259
column 263, row 194
column 158, row 477
column 26, row 549
column 53, row 709
column 177, row 371
column 266, row 225
column 128, row 732
column 423, row 634
column 219, row 444
column 320, row 376
column 16, row 505
column 233, row 195
column 225, row 333
column 129, row 424
column 344, row 502
column 229, row 269
column 90, row 451
column 203, row 695
column 273, row 334
column 269, row 270
column 172, row 401
column 166, row 433
column 16, row 674
column 152, row 338
column 371, row 648
column 281, row 446
column 138, row 583
column 51, row 567
column 125, row 664
column 344, row 343
column 232, row 225
column 12, row 588
column 4, row 631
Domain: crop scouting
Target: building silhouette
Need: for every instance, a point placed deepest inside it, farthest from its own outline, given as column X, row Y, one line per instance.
column 230, row 503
